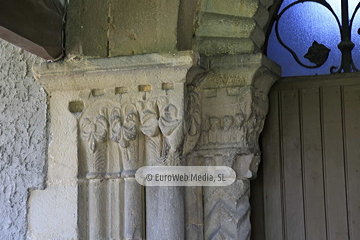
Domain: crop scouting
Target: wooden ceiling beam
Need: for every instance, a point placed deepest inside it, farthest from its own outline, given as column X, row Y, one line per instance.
column 34, row 25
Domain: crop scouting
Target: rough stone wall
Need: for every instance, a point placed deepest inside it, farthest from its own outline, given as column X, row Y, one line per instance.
column 22, row 138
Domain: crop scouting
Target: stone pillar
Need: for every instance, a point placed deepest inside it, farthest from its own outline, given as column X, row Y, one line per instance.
column 114, row 116
column 234, row 105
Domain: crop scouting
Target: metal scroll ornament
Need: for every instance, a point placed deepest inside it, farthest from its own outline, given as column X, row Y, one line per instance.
column 319, row 53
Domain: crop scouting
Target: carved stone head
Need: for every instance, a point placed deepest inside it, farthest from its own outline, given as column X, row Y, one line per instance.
column 214, row 123
column 228, row 121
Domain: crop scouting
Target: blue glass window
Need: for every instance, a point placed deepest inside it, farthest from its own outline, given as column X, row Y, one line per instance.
column 311, row 31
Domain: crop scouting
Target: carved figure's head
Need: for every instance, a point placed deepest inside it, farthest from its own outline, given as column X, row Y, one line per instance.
column 239, row 119
column 214, row 123
column 228, row 121
column 170, row 112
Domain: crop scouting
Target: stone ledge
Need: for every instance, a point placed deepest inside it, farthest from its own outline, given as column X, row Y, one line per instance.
column 244, row 60
column 81, row 74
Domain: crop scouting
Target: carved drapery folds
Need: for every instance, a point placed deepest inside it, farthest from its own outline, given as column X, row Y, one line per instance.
column 117, row 139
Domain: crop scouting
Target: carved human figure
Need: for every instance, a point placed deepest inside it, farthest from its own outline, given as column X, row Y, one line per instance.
column 94, row 134
column 130, row 143
column 252, row 128
column 261, row 121
column 170, row 126
column 225, row 134
column 126, row 135
column 173, row 135
column 149, row 119
column 214, row 130
column 204, row 136
column 237, row 131
column 194, row 114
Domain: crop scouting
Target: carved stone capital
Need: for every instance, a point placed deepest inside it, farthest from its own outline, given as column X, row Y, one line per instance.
column 235, row 104
column 121, row 114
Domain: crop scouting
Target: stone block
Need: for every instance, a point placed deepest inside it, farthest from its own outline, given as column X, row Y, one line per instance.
column 139, row 27
column 87, row 28
column 53, row 213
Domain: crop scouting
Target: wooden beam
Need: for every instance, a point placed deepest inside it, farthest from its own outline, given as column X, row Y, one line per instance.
column 34, row 25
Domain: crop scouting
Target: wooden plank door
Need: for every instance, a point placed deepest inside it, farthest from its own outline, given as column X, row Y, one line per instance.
column 309, row 186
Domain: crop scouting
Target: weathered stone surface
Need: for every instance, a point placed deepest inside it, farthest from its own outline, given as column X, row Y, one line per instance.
column 22, row 138
column 234, row 105
column 185, row 25
column 138, row 27
column 221, row 45
column 113, row 28
column 92, row 156
column 117, row 72
column 165, row 213
column 244, row 8
column 111, row 127
column 87, row 28
column 52, row 213
column 230, row 27
column 61, row 184
column 227, row 211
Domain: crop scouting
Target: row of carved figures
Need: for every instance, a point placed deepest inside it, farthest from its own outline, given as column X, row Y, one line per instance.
column 114, row 135
column 153, row 125
column 232, row 129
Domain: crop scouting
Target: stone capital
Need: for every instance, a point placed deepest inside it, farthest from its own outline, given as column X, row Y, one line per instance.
column 110, row 117
column 234, row 106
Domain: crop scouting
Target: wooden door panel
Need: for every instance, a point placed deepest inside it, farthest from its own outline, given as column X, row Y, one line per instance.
column 273, row 201
column 335, row 195
column 352, row 146
column 291, row 149
column 311, row 160
column 313, row 179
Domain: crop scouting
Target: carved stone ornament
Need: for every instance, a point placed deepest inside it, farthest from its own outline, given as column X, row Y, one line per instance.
column 117, row 115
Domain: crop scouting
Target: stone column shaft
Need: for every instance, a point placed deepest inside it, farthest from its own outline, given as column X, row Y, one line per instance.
column 97, row 209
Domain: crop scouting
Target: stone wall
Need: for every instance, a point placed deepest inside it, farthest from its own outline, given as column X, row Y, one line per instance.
column 22, row 138
column 124, row 27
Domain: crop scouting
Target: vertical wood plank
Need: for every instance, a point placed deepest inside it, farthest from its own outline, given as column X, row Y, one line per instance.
column 294, row 206
column 351, row 97
column 272, row 167
column 335, row 195
column 314, row 201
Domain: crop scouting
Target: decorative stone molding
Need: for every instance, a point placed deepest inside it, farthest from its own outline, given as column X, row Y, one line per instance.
column 124, row 113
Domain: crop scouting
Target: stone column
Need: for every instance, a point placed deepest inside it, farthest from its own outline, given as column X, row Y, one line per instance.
column 235, row 104
column 121, row 114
